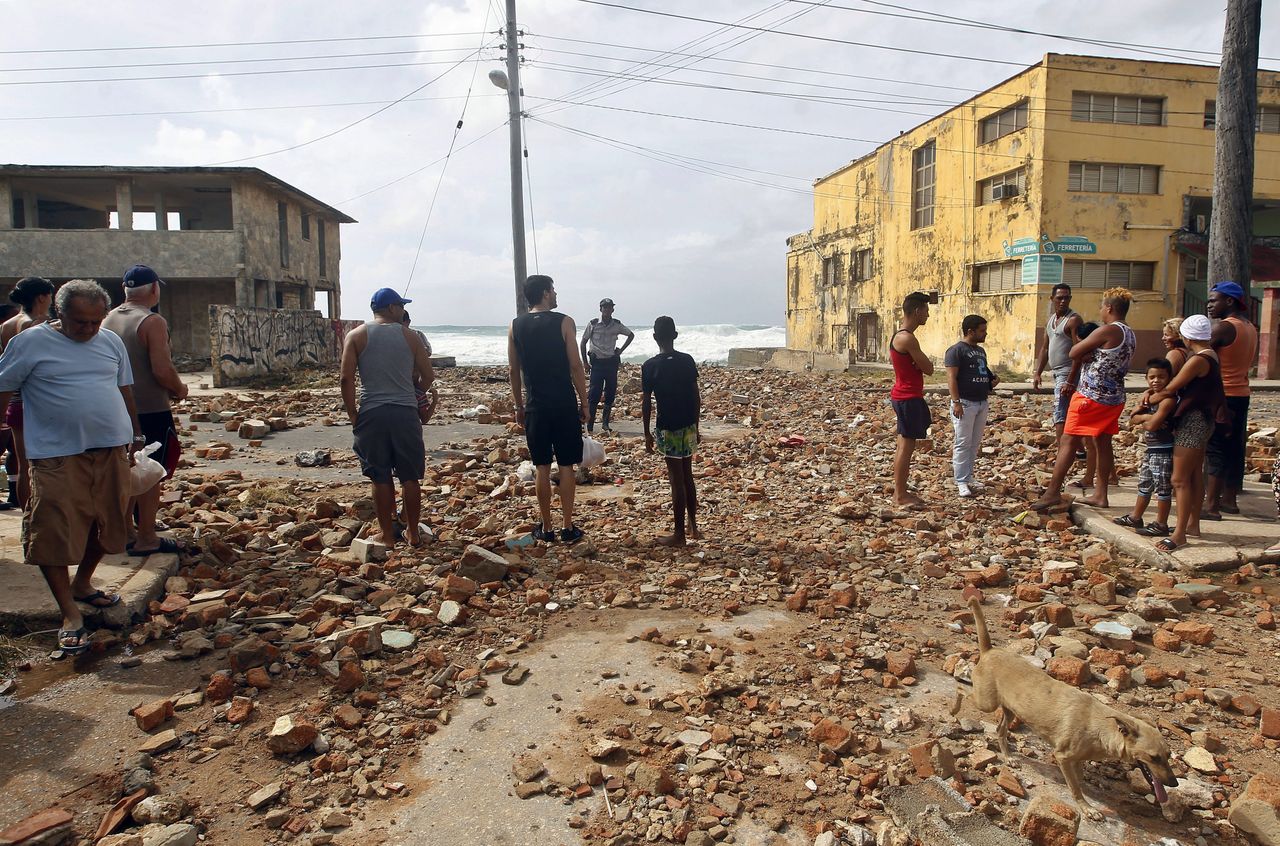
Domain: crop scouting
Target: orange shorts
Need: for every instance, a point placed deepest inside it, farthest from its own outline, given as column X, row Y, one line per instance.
column 1090, row 419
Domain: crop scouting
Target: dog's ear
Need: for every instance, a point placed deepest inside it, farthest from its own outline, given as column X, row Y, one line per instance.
column 1127, row 730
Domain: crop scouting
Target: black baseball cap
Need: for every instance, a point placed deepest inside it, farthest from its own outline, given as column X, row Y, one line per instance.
column 606, row 302
column 139, row 275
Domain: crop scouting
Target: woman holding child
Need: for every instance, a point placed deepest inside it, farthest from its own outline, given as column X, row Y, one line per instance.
column 1201, row 405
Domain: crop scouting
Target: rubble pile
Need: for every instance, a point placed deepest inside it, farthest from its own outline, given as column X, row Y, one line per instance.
column 333, row 660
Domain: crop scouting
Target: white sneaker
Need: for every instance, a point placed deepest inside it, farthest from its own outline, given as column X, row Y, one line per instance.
column 965, row 491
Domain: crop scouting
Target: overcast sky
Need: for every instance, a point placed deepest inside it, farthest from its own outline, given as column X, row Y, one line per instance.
column 613, row 216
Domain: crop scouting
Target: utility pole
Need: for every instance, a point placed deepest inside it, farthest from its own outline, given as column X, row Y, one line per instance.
column 1231, row 232
column 517, row 174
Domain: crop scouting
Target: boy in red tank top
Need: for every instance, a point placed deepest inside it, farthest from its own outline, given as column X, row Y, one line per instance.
column 910, row 366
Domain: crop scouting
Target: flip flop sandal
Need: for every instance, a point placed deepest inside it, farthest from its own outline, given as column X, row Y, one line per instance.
column 1166, row 545
column 94, row 598
column 73, row 641
column 167, row 545
column 1155, row 530
column 1229, row 509
column 1128, row 522
column 1209, row 515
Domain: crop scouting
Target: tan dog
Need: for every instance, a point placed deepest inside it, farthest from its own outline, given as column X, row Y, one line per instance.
column 1077, row 726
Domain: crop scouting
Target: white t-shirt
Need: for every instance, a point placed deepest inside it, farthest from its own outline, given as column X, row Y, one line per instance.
column 71, row 398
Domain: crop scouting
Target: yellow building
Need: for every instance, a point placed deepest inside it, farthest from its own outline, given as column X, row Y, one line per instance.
column 1093, row 171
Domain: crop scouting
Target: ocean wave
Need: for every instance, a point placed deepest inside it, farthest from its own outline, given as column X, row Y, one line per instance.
column 707, row 343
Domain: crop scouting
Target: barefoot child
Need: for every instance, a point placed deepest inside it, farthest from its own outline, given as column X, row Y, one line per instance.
column 1155, row 419
column 673, row 378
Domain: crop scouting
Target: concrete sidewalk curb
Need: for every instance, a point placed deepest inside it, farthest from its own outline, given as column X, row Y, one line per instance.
column 137, row 584
column 1200, row 556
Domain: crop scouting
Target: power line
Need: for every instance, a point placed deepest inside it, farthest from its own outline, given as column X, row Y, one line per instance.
column 697, row 58
column 251, row 60
column 938, row 17
column 269, row 72
column 528, row 182
column 418, row 170
column 357, row 122
column 851, row 43
column 449, row 153
column 166, row 113
column 596, row 86
column 134, row 48
column 877, row 144
column 828, row 73
column 674, row 159
column 859, row 103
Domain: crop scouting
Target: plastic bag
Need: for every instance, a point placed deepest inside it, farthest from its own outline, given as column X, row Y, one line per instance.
column 146, row 471
column 592, row 452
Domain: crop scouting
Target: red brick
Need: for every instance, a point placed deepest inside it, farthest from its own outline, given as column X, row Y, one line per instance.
column 1166, row 640
column 153, row 714
column 1269, row 723
column 901, row 664
column 1028, row 593
column 1059, row 615
column 1201, row 634
column 1070, row 670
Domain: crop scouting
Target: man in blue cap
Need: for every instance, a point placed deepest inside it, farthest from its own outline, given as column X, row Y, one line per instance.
column 384, row 421
column 1236, row 340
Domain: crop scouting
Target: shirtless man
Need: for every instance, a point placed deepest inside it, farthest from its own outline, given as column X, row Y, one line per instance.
column 910, row 366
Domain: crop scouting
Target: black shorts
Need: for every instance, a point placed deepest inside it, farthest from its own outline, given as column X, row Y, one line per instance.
column 557, row 433
column 158, row 427
column 914, row 418
column 388, row 440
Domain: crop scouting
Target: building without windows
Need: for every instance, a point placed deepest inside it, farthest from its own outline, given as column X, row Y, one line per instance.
column 1091, row 171
column 233, row 236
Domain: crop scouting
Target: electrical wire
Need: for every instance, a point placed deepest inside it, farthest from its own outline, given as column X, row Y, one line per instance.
column 418, row 170
column 735, row 42
column 373, row 114
column 453, row 140
column 270, row 72
column 939, row 17
column 672, row 159
column 848, row 42
column 878, row 144
column 252, row 60
column 859, row 103
column 528, row 182
column 168, row 113
column 136, row 48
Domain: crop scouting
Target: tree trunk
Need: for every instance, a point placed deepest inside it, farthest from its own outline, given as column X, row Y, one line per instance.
column 1231, row 230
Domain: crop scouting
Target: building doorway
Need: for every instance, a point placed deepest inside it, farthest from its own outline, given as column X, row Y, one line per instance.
column 868, row 336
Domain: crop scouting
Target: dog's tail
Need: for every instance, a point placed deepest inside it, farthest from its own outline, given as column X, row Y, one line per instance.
column 980, row 622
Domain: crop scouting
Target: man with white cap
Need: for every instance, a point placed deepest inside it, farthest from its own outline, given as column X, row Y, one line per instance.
column 385, row 422
column 604, row 356
column 1236, row 340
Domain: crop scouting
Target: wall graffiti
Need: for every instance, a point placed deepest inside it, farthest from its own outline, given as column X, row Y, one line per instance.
column 247, row 342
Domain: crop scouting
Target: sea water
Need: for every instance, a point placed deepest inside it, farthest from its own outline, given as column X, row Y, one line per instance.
column 708, row 344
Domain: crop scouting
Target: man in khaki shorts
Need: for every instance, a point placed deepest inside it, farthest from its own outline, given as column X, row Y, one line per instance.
column 81, row 433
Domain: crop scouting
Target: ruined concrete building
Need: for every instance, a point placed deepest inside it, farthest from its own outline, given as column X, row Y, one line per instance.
column 1095, row 172
column 233, row 236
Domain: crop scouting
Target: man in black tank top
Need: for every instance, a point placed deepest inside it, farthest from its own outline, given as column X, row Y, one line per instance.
column 544, row 362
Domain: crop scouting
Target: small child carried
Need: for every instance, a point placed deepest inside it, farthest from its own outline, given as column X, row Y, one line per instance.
column 1155, row 476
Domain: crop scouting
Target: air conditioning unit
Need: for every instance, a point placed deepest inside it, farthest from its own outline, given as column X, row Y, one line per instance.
column 1004, row 192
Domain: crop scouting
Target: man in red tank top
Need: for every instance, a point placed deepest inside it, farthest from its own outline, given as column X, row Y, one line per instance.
column 910, row 366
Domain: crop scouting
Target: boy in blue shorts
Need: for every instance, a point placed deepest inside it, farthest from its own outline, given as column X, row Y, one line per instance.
column 673, row 377
column 1155, row 476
